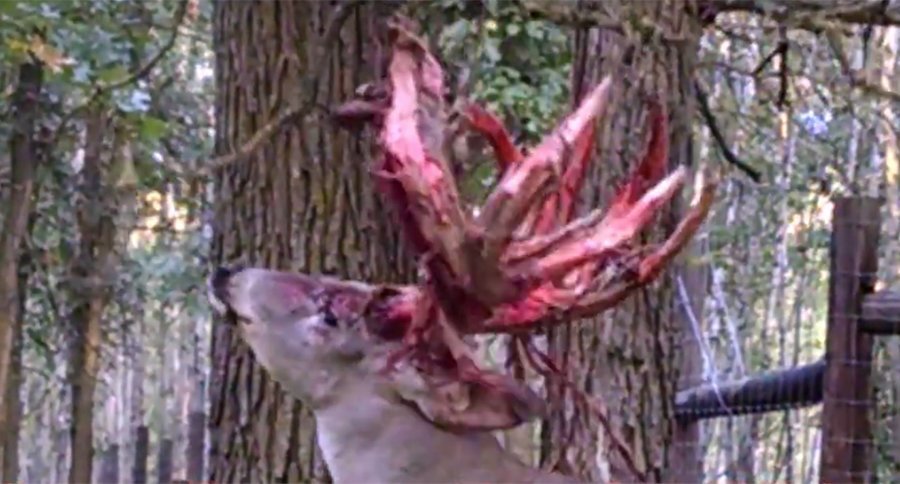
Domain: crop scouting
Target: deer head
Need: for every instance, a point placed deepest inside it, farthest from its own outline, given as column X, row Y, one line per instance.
column 325, row 340
column 520, row 263
column 303, row 330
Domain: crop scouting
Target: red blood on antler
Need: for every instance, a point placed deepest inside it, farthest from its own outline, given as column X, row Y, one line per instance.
column 522, row 261
column 491, row 128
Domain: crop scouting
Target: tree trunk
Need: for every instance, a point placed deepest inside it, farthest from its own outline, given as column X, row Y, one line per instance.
column 196, row 434
column 195, row 446
column 10, row 471
column 109, row 465
column 92, row 274
column 302, row 201
column 141, row 433
column 630, row 357
column 164, row 461
column 141, row 450
column 15, row 220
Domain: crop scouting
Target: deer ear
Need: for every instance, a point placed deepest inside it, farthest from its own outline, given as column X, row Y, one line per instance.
column 494, row 402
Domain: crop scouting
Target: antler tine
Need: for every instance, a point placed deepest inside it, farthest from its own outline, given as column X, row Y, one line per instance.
column 569, row 259
column 480, row 278
column 523, row 184
column 601, row 239
column 486, row 124
column 424, row 186
column 648, row 172
column 577, row 301
column 651, row 265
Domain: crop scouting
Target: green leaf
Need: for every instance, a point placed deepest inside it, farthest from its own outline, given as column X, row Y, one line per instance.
column 9, row 7
column 38, row 339
column 133, row 101
column 454, row 34
column 152, row 129
column 112, row 74
column 492, row 50
column 534, row 30
column 81, row 73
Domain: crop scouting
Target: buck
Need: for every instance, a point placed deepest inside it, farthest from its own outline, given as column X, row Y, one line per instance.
column 389, row 370
column 309, row 334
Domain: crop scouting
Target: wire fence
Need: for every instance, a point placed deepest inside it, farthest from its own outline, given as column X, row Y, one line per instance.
column 834, row 419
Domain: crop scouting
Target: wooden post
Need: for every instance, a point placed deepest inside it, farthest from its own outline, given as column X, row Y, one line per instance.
column 196, row 446
column 164, row 461
column 881, row 314
column 846, row 423
column 109, row 465
column 141, row 449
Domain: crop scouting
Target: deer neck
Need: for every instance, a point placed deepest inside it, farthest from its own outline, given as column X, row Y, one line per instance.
column 368, row 438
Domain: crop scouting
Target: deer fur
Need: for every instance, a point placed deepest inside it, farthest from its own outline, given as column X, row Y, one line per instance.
column 369, row 428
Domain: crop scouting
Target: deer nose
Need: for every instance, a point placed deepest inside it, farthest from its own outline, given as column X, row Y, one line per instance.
column 218, row 287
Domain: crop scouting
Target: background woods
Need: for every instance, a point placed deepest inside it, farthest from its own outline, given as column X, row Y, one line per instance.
column 150, row 141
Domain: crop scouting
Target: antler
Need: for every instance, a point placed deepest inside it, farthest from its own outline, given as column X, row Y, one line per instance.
column 522, row 259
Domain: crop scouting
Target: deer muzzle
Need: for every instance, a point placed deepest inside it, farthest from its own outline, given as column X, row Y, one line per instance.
column 218, row 290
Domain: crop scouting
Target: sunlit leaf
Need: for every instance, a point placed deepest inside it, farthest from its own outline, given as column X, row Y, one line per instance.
column 492, row 50
column 81, row 73
column 18, row 46
column 49, row 55
column 134, row 101
column 151, row 128
column 112, row 74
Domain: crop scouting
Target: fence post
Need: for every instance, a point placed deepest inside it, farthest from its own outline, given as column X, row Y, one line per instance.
column 846, row 423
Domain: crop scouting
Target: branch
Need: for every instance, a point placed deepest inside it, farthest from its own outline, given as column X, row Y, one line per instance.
column 814, row 15
column 730, row 156
column 137, row 75
column 856, row 78
column 783, row 71
column 263, row 134
column 586, row 15
column 802, row 14
column 145, row 70
column 290, row 114
column 766, row 61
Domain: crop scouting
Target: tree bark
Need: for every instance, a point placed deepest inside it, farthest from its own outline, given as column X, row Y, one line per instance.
column 630, row 357
column 109, row 465
column 92, row 273
column 196, row 434
column 164, row 462
column 195, row 446
column 815, row 16
column 15, row 221
column 302, row 201
column 10, row 470
column 141, row 433
column 141, row 450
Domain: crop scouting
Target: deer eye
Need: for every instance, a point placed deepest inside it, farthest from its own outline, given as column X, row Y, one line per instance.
column 330, row 319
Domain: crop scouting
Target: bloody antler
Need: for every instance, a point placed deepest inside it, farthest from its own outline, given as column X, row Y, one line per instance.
column 522, row 258
column 522, row 261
